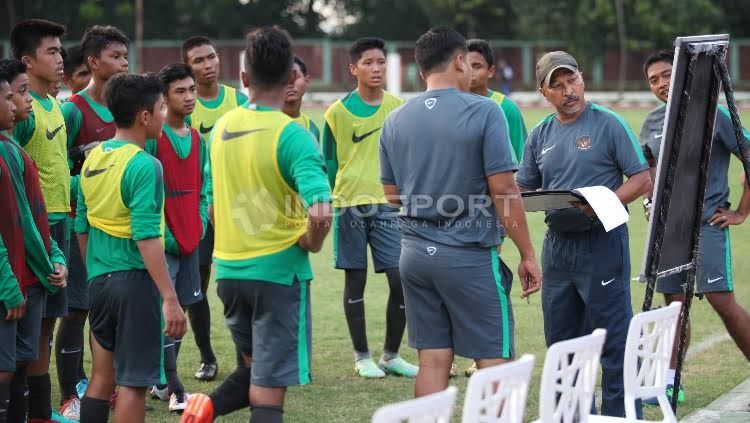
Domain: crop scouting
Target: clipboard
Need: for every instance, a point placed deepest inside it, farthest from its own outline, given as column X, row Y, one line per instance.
column 534, row 201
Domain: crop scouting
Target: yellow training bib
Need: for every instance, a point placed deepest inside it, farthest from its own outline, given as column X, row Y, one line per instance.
column 357, row 151
column 48, row 148
column 204, row 118
column 256, row 212
column 497, row 97
column 101, row 183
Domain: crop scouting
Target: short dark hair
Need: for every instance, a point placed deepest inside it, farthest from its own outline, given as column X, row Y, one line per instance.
column 72, row 59
column 436, row 47
column 174, row 72
column 268, row 57
column 11, row 68
column 301, row 64
column 129, row 94
column 27, row 35
column 99, row 37
column 657, row 56
column 482, row 47
column 362, row 45
column 193, row 42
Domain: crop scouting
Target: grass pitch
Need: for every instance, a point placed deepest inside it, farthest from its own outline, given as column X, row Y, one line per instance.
column 337, row 395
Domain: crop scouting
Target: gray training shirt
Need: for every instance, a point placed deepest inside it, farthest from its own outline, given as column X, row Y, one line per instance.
column 597, row 149
column 439, row 149
column 724, row 145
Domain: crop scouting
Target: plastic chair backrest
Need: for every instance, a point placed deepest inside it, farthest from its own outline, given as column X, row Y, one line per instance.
column 571, row 370
column 498, row 394
column 435, row 408
column 648, row 351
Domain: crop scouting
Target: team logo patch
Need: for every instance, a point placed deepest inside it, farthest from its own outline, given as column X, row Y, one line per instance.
column 431, row 250
column 583, row 142
column 430, row 103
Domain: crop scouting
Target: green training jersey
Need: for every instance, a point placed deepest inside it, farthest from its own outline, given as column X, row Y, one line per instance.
column 302, row 169
column 142, row 192
column 516, row 125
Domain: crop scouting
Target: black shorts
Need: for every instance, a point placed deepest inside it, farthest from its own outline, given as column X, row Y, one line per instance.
column 125, row 318
column 273, row 322
column 206, row 246
column 357, row 226
column 78, row 284
column 19, row 339
column 186, row 279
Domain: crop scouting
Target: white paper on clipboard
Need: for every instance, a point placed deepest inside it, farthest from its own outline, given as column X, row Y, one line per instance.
column 607, row 206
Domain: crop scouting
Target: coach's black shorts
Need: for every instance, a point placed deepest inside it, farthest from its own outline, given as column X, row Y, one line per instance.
column 57, row 303
column 273, row 322
column 125, row 318
column 19, row 339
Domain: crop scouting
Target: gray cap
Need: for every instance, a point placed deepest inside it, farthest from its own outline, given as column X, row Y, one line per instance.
column 552, row 61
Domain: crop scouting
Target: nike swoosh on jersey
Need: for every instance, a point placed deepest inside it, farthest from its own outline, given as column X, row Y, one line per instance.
column 657, row 136
column 177, row 193
column 203, row 130
column 196, row 293
column 545, row 150
column 714, row 280
column 51, row 135
column 608, row 282
column 356, row 139
column 93, row 172
column 227, row 135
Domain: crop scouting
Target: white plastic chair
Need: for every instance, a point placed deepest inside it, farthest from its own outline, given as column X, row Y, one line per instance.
column 498, row 394
column 435, row 408
column 647, row 354
column 571, row 369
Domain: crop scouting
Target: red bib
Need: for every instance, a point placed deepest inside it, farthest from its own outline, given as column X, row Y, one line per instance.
column 35, row 199
column 11, row 228
column 182, row 188
column 93, row 128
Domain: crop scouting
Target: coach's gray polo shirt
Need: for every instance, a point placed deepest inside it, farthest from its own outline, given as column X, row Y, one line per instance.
column 439, row 149
column 597, row 149
column 724, row 145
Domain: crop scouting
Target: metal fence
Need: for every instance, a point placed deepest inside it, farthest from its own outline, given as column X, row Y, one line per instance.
column 327, row 61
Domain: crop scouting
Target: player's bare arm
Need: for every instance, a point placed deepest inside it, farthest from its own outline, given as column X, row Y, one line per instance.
column 506, row 197
column 319, row 218
column 724, row 217
column 636, row 186
column 392, row 195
